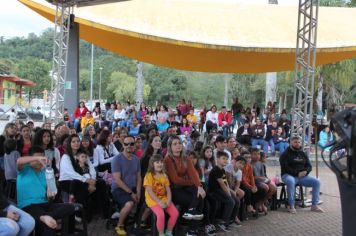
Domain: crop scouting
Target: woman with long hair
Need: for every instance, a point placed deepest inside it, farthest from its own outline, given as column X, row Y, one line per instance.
column 71, row 174
column 79, row 113
column 154, row 146
column 24, row 143
column 211, row 119
column 44, row 139
column 105, row 151
column 187, row 191
column 91, row 133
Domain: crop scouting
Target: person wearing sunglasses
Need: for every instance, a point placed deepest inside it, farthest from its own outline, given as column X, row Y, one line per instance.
column 126, row 186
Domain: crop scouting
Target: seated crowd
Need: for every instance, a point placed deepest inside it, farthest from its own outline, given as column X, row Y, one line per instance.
column 150, row 162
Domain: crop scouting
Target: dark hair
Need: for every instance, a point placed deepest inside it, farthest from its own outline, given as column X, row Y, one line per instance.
column 36, row 149
column 75, row 165
column 38, row 138
column 90, row 148
column 198, row 146
column 196, row 166
column 10, row 145
column 241, row 158
column 202, row 156
column 149, row 149
column 153, row 159
column 68, row 148
column 103, row 137
column 219, row 154
column 254, row 149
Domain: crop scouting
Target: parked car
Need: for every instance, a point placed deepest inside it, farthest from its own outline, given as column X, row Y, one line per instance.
column 3, row 115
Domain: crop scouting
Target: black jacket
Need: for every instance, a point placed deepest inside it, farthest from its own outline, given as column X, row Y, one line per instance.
column 292, row 162
column 3, row 203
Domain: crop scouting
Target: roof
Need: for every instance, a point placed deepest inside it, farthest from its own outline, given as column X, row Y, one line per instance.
column 17, row 80
column 214, row 36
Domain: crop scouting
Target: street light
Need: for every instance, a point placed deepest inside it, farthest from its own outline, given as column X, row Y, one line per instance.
column 100, row 69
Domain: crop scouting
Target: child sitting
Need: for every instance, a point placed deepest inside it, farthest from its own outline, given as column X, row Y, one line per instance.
column 219, row 190
column 81, row 168
column 261, row 179
column 158, row 195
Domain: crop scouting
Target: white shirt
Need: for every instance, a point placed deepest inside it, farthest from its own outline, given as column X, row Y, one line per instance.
column 236, row 174
column 120, row 114
column 213, row 117
column 102, row 156
column 67, row 172
column 12, row 117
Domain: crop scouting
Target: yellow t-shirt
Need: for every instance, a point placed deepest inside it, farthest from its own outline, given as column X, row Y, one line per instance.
column 192, row 119
column 158, row 185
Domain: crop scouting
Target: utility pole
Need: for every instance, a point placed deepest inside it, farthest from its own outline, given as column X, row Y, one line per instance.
column 91, row 76
column 100, row 69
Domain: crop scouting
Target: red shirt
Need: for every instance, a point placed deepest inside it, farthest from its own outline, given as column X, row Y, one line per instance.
column 78, row 114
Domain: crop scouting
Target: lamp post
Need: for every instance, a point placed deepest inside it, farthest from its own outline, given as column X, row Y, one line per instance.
column 100, row 69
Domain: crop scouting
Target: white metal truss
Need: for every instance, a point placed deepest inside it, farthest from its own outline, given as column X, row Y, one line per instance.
column 302, row 112
column 60, row 57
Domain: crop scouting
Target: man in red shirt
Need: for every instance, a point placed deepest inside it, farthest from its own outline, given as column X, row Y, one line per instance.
column 224, row 120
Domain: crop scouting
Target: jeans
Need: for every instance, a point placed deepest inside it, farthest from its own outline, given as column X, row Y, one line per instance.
column 2, row 163
column 262, row 143
column 24, row 226
column 225, row 129
column 307, row 181
column 281, row 147
column 271, row 144
column 76, row 123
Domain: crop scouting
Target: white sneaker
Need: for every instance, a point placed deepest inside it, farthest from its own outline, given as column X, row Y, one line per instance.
column 116, row 215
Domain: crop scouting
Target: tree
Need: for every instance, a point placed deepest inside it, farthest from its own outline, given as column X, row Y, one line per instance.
column 167, row 85
column 36, row 70
column 122, row 87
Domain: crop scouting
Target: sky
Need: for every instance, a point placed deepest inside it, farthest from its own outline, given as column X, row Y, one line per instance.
column 18, row 20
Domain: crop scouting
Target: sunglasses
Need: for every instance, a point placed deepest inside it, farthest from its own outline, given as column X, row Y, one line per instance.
column 131, row 144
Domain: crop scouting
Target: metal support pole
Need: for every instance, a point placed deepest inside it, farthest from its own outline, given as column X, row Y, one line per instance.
column 60, row 56
column 302, row 112
column 100, row 69
column 91, row 76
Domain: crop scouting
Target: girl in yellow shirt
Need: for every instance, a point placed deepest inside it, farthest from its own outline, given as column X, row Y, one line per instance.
column 158, row 195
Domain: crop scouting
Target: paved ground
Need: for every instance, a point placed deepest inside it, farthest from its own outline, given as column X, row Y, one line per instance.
column 280, row 222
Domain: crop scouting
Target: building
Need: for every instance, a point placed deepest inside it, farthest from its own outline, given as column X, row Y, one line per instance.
column 10, row 86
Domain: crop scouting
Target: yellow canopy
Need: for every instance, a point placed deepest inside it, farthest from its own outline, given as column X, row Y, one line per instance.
column 210, row 36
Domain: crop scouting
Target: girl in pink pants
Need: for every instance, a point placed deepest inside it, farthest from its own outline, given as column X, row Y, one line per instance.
column 158, row 195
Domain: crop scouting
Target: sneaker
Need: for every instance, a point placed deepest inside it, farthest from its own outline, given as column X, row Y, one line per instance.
column 198, row 216
column 120, row 230
column 209, row 230
column 187, row 216
column 292, row 210
column 78, row 219
column 116, row 215
column 317, row 209
column 192, row 232
column 169, row 234
column 224, row 227
column 235, row 224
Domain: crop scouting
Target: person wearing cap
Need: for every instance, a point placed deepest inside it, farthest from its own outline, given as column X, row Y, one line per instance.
column 295, row 169
column 224, row 120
